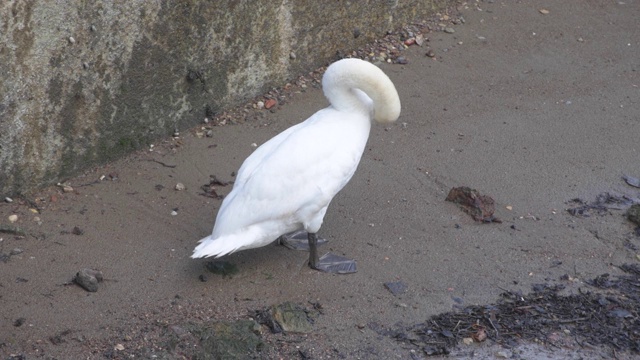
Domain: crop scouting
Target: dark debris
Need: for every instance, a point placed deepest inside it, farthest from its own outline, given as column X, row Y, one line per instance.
column 480, row 207
column 600, row 206
column 209, row 189
column 608, row 317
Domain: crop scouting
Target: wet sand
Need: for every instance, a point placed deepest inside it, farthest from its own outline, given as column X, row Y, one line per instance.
column 531, row 109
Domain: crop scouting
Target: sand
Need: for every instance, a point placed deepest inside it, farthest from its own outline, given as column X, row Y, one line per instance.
column 531, row 109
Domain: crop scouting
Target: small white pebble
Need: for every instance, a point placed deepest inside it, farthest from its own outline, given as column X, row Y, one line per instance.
column 180, row 186
column 8, row 199
column 119, row 347
column 13, row 218
column 72, row 40
column 174, row 213
column 254, row 145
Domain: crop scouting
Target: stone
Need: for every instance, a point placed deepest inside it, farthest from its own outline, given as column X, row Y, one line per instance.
column 88, row 279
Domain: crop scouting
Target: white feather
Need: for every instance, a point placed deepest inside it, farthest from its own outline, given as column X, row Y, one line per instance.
column 289, row 181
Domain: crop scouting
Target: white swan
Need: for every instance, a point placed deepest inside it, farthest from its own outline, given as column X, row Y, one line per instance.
column 289, row 181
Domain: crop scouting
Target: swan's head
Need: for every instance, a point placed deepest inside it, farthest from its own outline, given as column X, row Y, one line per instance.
column 344, row 76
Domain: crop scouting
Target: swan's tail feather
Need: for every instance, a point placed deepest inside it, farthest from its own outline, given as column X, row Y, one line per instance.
column 210, row 246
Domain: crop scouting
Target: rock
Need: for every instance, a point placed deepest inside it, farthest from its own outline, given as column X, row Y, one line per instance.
column 8, row 200
column 229, row 340
column 396, row 287
column 633, row 214
column 449, row 30
column 88, row 279
column 180, row 186
column 467, row 341
column 16, row 251
column 292, row 318
column 13, row 218
column 260, row 105
column 221, row 267
column 633, row 181
column 66, row 188
column 270, row 103
column 119, row 347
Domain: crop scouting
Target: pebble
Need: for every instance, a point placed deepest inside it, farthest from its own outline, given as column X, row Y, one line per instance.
column 449, row 30
column 66, row 188
column 396, row 287
column 180, row 186
column 16, row 251
column 72, row 40
column 260, row 105
column 209, row 133
column 88, row 279
column 8, row 200
column 467, row 341
column 292, row 56
column 430, row 53
column 13, row 218
column 174, row 213
column 119, row 347
column 270, row 103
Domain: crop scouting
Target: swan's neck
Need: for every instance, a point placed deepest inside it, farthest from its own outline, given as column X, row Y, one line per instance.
column 346, row 82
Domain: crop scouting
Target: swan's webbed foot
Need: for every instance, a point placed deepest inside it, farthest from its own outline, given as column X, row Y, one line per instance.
column 298, row 240
column 329, row 262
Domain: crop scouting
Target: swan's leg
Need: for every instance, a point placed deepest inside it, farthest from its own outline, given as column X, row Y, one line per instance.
column 314, row 260
column 328, row 262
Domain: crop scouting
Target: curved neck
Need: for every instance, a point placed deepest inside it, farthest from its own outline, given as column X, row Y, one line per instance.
column 344, row 78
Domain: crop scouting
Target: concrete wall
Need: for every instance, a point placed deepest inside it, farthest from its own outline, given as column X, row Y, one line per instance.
column 84, row 82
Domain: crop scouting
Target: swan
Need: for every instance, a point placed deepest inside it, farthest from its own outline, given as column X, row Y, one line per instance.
column 287, row 184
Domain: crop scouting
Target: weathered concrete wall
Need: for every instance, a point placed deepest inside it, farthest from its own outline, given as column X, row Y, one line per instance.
column 83, row 82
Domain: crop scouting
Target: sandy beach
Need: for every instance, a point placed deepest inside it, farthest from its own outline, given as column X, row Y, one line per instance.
column 532, row 108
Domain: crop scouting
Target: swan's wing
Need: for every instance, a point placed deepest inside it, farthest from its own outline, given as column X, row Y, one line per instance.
column 250, row 163
column 296, row 175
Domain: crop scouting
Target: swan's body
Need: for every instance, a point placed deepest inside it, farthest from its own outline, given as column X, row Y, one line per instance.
column 289, row 181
